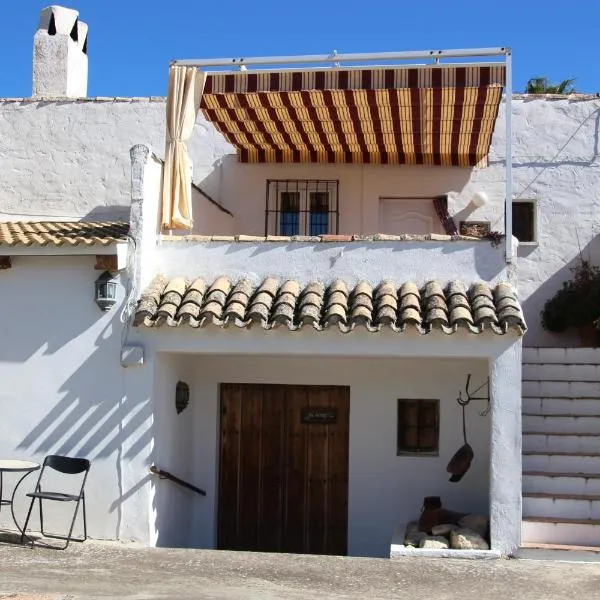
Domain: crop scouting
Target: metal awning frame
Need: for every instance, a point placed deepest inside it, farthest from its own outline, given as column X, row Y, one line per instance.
column 335, row 60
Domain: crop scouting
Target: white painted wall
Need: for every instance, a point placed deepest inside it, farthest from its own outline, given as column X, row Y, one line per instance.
column 384, row 489
column 62, row 387
column 351, row 261
column 70, row 158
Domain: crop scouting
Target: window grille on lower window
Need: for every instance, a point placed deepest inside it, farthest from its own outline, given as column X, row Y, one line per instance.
column 301, row 207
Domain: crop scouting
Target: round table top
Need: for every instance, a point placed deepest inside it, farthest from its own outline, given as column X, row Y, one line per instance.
column 18, row 465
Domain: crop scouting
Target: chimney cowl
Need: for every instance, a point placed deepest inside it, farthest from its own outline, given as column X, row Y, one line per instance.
column 60, row 62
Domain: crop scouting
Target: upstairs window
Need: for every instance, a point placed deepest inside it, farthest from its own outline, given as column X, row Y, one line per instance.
column 524, row 222
column 301, row 207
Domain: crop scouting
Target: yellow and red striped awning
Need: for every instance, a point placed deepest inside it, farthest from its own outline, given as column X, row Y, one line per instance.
column 434, row 115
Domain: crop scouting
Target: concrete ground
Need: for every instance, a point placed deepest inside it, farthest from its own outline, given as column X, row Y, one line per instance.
column 112, row 570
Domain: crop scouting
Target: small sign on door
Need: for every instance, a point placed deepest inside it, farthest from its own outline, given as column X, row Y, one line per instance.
column 318, row 414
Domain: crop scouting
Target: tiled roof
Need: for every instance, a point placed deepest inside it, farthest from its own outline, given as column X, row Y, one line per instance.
column 58, row 233
column 274, row 303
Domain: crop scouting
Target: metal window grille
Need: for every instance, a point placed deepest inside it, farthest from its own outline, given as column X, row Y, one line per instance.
column 418, row 426
column 302, row 207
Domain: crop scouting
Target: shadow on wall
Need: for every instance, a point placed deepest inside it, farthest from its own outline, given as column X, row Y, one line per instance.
column 92, row 418
column 64, row 362
column 534, row 304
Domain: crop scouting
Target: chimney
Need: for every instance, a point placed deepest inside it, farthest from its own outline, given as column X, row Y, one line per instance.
column 60, row 62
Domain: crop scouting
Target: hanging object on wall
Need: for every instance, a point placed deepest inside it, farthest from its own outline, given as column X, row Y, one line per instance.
column 182, row 396
column 461, row 461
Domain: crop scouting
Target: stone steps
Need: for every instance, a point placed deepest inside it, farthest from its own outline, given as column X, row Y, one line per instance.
column 575, row 506
column 561, row 483
column 571, row 423
column 567, row 462
column 561, row 446
column 567, row 442
column 552, row 530
column 560, row 406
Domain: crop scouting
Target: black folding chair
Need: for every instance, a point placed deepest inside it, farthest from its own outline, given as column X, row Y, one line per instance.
column 67, row 466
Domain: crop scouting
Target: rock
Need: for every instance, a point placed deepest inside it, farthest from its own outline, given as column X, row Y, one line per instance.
column 435, row 541
column 414, row 538
column 444, row 529
column 467, row 539
column 412, row 527
column 477, row 523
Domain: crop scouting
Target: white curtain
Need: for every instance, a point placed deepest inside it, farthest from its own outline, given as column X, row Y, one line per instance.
column 183, row 101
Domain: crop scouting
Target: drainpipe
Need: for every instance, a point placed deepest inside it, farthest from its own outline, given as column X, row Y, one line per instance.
column 509, row 191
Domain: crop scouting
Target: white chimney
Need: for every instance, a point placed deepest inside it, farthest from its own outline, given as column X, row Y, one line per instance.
column 60, row 62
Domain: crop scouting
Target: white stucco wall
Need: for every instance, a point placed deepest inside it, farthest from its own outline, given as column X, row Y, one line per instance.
column 352, row 261
column 62, row 387
column 384, row 489
column 70, row 158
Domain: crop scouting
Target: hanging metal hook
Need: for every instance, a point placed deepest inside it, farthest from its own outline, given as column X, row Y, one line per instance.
column 471, row 395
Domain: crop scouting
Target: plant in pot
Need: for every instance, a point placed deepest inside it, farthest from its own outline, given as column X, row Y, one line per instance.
column 576, row 304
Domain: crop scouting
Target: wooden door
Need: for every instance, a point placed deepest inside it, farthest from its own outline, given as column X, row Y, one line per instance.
column 283, row 481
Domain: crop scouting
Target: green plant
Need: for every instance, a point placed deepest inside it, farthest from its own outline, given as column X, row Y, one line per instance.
column 577, row 302
column 542, row 85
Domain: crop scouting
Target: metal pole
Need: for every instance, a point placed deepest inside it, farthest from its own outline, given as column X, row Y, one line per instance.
column 508, row 230
column 370, row 67
column 337, row 58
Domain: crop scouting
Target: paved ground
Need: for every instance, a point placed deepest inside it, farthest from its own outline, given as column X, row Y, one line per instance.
column 99, row 570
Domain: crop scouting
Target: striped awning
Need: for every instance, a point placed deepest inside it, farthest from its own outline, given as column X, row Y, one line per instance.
column 435, row 115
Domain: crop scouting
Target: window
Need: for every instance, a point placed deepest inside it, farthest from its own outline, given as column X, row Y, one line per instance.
column 418, row 427
column 301, row 207
column 524, row 221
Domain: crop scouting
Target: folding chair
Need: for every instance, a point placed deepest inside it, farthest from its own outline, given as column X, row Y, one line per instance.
column 67, row 466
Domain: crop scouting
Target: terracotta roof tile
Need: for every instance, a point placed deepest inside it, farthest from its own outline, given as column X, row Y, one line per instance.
column 59, row 233
column 448, row 307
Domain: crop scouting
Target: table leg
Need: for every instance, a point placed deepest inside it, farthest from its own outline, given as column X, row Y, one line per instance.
column 12, row 500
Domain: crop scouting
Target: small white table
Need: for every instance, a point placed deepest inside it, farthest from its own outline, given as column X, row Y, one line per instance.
column 15, row 466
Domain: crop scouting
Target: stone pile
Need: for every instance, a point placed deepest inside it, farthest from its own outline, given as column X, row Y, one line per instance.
column 471, row 533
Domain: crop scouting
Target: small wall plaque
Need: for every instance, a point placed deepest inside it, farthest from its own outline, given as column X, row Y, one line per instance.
column 318, row 414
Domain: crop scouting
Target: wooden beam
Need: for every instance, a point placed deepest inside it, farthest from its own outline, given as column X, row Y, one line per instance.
column 5, row 262
column 107, row 262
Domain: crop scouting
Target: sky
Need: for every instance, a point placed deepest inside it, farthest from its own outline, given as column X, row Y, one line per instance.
column 131, row 42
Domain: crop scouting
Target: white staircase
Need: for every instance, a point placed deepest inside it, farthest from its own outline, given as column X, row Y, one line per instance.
column 561, row 447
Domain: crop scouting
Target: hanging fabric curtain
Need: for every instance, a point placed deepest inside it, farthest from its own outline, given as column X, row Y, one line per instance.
column 441, row 208
column 183, row 102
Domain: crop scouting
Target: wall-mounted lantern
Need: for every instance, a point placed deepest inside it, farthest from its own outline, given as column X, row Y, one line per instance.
column 182, row 396
column 106, row 291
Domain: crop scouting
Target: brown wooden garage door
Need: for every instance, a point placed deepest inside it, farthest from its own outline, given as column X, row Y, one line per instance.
column 283, row 484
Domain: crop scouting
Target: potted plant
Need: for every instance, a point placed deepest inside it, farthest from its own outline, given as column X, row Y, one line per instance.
column 576, row 304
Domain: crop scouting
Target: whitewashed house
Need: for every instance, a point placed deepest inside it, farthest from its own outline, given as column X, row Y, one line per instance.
column 296, row 296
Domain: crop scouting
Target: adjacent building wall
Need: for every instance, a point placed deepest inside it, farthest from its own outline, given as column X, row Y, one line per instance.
column 61, row 381
column 384, row 489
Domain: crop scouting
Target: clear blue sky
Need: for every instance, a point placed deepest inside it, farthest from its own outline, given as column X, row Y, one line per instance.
column 132, row 41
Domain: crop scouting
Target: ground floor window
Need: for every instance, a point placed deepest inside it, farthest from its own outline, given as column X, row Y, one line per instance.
column 418, row 426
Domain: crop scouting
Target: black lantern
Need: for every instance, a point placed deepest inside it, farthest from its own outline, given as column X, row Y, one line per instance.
column 182, row 396
column 106, row 291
